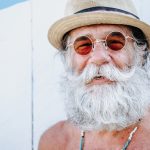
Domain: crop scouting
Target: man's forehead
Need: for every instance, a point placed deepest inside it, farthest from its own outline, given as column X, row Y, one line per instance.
column 99, row 29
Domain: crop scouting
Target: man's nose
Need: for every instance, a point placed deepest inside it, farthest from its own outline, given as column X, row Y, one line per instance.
column 99, row 54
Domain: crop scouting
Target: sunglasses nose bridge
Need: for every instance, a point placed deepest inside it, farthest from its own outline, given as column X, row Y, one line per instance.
column 100, row 41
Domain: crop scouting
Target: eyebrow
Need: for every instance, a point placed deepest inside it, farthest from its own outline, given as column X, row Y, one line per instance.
column 82, row 37
column 92, row 35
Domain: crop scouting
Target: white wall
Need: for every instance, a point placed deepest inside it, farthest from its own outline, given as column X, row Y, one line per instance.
column 15, row 78
column 30, row 100
column 143, row 9
column 48, row 105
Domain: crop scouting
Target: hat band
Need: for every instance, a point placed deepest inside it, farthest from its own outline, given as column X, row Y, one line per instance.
column 106, row 9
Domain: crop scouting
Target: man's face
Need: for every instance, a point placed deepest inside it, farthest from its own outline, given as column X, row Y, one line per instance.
column 99, row 54
column 104, row 90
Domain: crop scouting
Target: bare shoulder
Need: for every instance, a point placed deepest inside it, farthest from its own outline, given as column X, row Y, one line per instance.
column 57, row 136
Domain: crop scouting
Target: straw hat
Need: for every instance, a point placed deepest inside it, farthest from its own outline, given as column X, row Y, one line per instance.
column 87, row 12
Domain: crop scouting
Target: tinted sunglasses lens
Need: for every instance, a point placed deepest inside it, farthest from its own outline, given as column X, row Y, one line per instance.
column 83, row 45
column 115, row 41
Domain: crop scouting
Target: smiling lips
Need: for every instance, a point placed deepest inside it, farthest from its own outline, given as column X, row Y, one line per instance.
column 99, row 80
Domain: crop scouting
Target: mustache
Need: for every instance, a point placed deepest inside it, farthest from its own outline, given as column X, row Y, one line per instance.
column 108, row 71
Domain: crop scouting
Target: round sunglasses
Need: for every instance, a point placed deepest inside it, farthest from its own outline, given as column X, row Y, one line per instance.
column 115, row 41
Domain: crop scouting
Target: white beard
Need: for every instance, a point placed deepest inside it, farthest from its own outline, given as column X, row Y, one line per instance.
column 109, row 106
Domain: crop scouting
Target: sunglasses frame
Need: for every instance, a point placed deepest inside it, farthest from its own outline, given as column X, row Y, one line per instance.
column 95, row 40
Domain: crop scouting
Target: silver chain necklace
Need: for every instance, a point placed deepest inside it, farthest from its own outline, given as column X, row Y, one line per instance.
column 125, row 146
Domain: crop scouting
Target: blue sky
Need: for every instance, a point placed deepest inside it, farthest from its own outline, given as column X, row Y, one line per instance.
column 7, row 3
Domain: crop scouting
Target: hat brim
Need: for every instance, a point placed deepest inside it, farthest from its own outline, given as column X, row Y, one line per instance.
column 66, row 24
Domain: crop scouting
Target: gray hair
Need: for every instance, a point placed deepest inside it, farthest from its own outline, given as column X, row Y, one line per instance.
column 128, row 99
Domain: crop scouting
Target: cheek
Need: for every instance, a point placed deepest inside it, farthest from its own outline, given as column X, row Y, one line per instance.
column 123, row 59
column 79, row 62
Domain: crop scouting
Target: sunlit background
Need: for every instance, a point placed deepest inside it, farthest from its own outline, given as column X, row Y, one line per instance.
column 30, row 98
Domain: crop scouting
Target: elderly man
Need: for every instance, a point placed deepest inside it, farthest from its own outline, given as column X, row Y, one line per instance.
column 105, row 50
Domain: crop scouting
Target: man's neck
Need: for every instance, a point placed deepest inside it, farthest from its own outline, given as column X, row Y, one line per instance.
column 115, row 133
column 110, row 139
